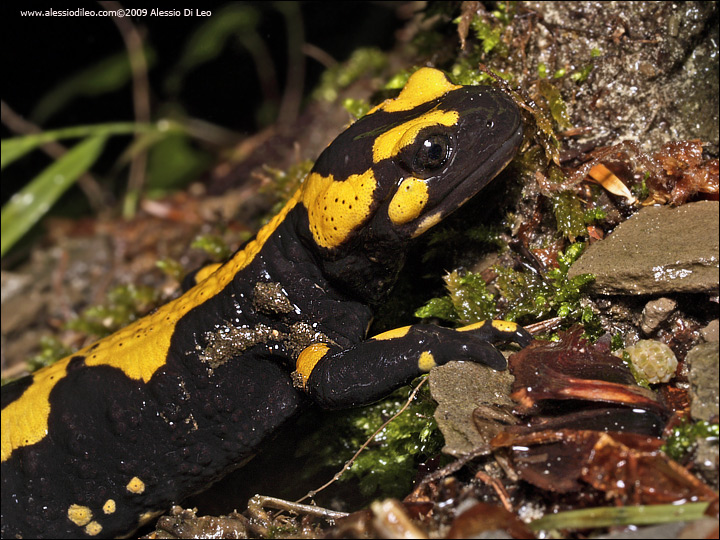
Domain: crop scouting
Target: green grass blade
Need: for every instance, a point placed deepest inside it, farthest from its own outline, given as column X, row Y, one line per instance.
column 16, row 147
column 591, row 518
column 27, row 206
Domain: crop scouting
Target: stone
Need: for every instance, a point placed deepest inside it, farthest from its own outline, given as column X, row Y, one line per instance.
column 659, row 250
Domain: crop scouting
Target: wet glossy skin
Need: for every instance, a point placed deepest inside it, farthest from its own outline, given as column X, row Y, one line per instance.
column 104, row 440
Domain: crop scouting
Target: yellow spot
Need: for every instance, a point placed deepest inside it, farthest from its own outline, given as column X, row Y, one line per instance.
column 408, row 201
column 473, row 326
column 337, row 207
column 505, row 326
column 24, row 421
column 390, row 143
column 426, row 84
column 139, row 350
column 205, row 271
column 308, row 358
column 79, row 515
column 426, row 361
column 502, row 326
column 93, row 528
column 395, row 333
column 109, row 507
column 135, row 486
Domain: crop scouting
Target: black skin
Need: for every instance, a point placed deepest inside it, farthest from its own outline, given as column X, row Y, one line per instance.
column 191, row 424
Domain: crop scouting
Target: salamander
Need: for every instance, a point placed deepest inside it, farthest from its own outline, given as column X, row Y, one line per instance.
column 101, row 442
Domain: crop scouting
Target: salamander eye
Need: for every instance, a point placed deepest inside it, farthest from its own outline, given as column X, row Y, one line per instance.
column 433, row 154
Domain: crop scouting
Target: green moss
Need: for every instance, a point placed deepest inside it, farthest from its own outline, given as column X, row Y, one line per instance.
column 641, row 191
column 357, row 107
column 283, row 184
column 594, row 215
column 489, row 35
column 51, row 350
column 413, row 437
column 389, row 464
column 213, row 245
column 362, row 61
column 171, row 268
column 438, row 308
column 569, row 214
column 684, row 437
column 525, row 296
column 125, row 304
column 465, row 72
column 489, row 30
column 556, row 104
column 582, row 74
column 468, row 300
column 617, row 342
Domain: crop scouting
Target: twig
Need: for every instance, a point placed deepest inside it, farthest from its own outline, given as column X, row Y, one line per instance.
column 498, row 487
column 141, row 100
column 364, row 445
column 292, row 96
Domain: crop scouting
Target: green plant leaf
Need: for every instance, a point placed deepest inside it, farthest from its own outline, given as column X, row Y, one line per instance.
column 173, row 162
column 591, row 518
column 14, row 148
column 108, row 75
column 27, row 206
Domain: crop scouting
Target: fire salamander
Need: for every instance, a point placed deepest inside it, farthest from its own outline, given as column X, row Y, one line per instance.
column 104, row 440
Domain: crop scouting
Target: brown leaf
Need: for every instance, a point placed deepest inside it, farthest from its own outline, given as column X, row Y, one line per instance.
column 627, row 468
column 485, row 517
column 573, row 368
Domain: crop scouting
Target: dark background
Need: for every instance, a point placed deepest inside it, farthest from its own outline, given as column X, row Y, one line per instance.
column 41, row 52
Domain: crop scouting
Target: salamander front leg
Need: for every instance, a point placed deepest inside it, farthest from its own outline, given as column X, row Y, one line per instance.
column 368, row 371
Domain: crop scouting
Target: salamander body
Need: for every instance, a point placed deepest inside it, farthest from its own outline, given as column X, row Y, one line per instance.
column 106, row 439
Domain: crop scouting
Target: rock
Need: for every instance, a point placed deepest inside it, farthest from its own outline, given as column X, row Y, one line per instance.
column 461, row 388
column 711, row 331
column 702, row 362
column 657, row 76
column 655, row 313
column 659, row 250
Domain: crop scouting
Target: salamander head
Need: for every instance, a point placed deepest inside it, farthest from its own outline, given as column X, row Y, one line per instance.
column 401, row 169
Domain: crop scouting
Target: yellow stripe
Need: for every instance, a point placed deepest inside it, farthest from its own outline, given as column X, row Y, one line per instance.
column 505, row 326
column 139, row 350
column 502, row 326
column 473, row 326
column 309, row 358
column 426, row 84
column 205, row 271
column 394, row 333
column 390, row 143
column 24, row 421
